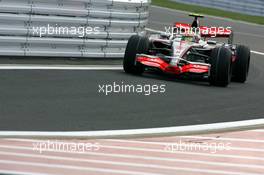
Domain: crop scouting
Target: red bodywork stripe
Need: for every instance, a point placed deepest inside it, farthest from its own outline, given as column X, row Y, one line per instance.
column 167, row 68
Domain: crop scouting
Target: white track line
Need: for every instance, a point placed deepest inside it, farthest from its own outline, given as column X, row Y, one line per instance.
column 21, row 173
column 154, row 31
column 61, row 166
column 137, row 133
column 78, row 168
column 132, row 149
column 224, row 139
column 133, row 164
column 185, row 153
column 58, row 67
column 258, row 53
column 183, row 144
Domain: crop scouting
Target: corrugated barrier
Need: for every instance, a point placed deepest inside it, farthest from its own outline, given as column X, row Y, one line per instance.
column 70, row 28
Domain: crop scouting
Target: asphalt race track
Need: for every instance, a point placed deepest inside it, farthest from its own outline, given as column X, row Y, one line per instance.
column 52, row 100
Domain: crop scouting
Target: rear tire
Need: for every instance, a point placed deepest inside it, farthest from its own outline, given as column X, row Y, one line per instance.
column 242, row 64
column 220, row 72
column 136, row 45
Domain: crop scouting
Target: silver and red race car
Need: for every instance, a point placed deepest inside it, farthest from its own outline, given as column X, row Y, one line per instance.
column 189, row 51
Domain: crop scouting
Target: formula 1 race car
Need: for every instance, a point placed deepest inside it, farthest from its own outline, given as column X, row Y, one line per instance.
column 189, row 50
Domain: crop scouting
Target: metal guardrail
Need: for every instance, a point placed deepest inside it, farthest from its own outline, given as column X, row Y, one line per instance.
column 22, row 22
column 250, row 7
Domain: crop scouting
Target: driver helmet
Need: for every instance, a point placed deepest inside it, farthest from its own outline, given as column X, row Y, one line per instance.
column 191, row 38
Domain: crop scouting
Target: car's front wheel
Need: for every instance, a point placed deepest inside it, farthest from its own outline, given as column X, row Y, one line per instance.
column 136, row 45
column 221, row 70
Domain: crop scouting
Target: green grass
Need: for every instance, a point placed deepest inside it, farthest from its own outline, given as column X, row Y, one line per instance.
column 209, row 11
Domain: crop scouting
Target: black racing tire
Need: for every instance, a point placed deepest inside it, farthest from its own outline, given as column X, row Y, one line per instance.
column 221, row 69
column 242, row 64
column 136, row 45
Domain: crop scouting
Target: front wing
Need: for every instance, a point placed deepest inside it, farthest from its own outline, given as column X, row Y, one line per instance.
column 159, row 63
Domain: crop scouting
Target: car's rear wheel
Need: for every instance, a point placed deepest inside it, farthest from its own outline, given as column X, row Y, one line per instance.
column 221, row 70
column 136, row 45
column 242, row 64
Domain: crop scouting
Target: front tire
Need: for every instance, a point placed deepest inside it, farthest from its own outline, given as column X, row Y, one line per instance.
column 220, row 72
column 136, row 45
column 242, row 64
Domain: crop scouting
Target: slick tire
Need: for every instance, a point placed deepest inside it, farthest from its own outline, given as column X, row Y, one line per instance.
column 136, row 45
column 221, row 69
column 242, row 64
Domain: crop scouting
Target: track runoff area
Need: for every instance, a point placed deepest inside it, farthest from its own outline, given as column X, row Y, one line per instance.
column 227, row 153
column 235, row 153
